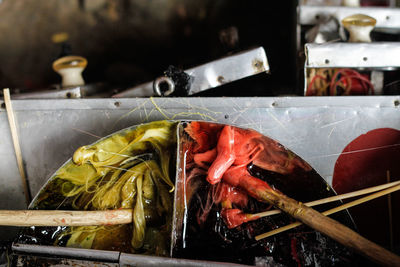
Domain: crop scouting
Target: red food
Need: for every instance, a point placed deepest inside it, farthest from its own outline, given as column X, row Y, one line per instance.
column 235, row 146
column 235, row 217
column 246, row 146
column 226, row 154
column 240, row 177
column 240, row 147
column 225, row 194
column 204, row 134
column 207, row 157
column 277, row 158
column 228, row 195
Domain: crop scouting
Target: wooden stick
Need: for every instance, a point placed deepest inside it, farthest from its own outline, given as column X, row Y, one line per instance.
column 17, row 148
column 390, row 213
column 331, row 199
column 321, row 223
column 107, row 217
column 331, row 211
column 64, row 217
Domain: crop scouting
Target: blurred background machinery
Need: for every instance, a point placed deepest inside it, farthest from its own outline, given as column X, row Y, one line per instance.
column 130, row 42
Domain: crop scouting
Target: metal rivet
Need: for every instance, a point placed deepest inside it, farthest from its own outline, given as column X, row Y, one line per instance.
column 326, row 61
column 226, row 116
column 68, row 95
column 396, row 103
column 365, row 58
column 387, row 17
column 117, row 104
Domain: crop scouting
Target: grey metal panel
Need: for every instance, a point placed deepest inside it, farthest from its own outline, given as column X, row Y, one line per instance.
column 51, row 94
column 386, row 18
column 34, row 261
column 214, row 73
column 149, row 261
column 63, row 256
column 316, row 128
column 353, row 55
column 228, row 69
column 75, row 253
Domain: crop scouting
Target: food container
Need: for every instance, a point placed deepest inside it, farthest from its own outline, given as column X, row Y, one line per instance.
column 209, row 239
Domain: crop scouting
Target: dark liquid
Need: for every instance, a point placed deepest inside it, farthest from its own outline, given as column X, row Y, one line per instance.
column 212, row 240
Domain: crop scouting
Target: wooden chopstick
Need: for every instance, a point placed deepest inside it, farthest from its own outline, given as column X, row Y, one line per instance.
column 389, row 199
column 331, row 199
column 64, row 217
column 331, row 211
column 17, row 148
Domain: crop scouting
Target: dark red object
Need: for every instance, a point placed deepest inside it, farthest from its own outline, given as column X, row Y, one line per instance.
column 225, row 152
column 235, row 146
column 229, row 195
column 366, row 162
column 238, row 176
column 235, row 217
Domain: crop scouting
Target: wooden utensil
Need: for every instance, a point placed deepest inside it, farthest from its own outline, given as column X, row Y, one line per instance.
column 64, row 217
column 319, row 222
column 330, row 199
column 332, row 211
column 332, row 228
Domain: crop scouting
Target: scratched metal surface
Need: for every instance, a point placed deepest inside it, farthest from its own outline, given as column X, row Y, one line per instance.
column 317, row 129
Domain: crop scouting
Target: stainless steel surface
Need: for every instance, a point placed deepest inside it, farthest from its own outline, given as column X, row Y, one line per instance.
column 382, row 55
column 148, row 261
column 32, row 260
column 76, row 253
column 215, row 73
column 74, row 92
column 316, row 128
column 58, row 93
column 63, row 255
column 388, row 19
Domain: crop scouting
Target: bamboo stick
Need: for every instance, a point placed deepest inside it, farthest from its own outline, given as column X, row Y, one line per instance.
column 331, row 211
column 64, row 217
column 330, row 199
column 338, row 231
column 327, row 226
column 17, row 148
column 389, row 199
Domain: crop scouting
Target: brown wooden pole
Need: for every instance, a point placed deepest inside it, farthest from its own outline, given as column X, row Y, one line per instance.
column 331, row 199
column 331, row 228
column 64, row 217
column 332, row 211
column 335, row 230
column 17, row 147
